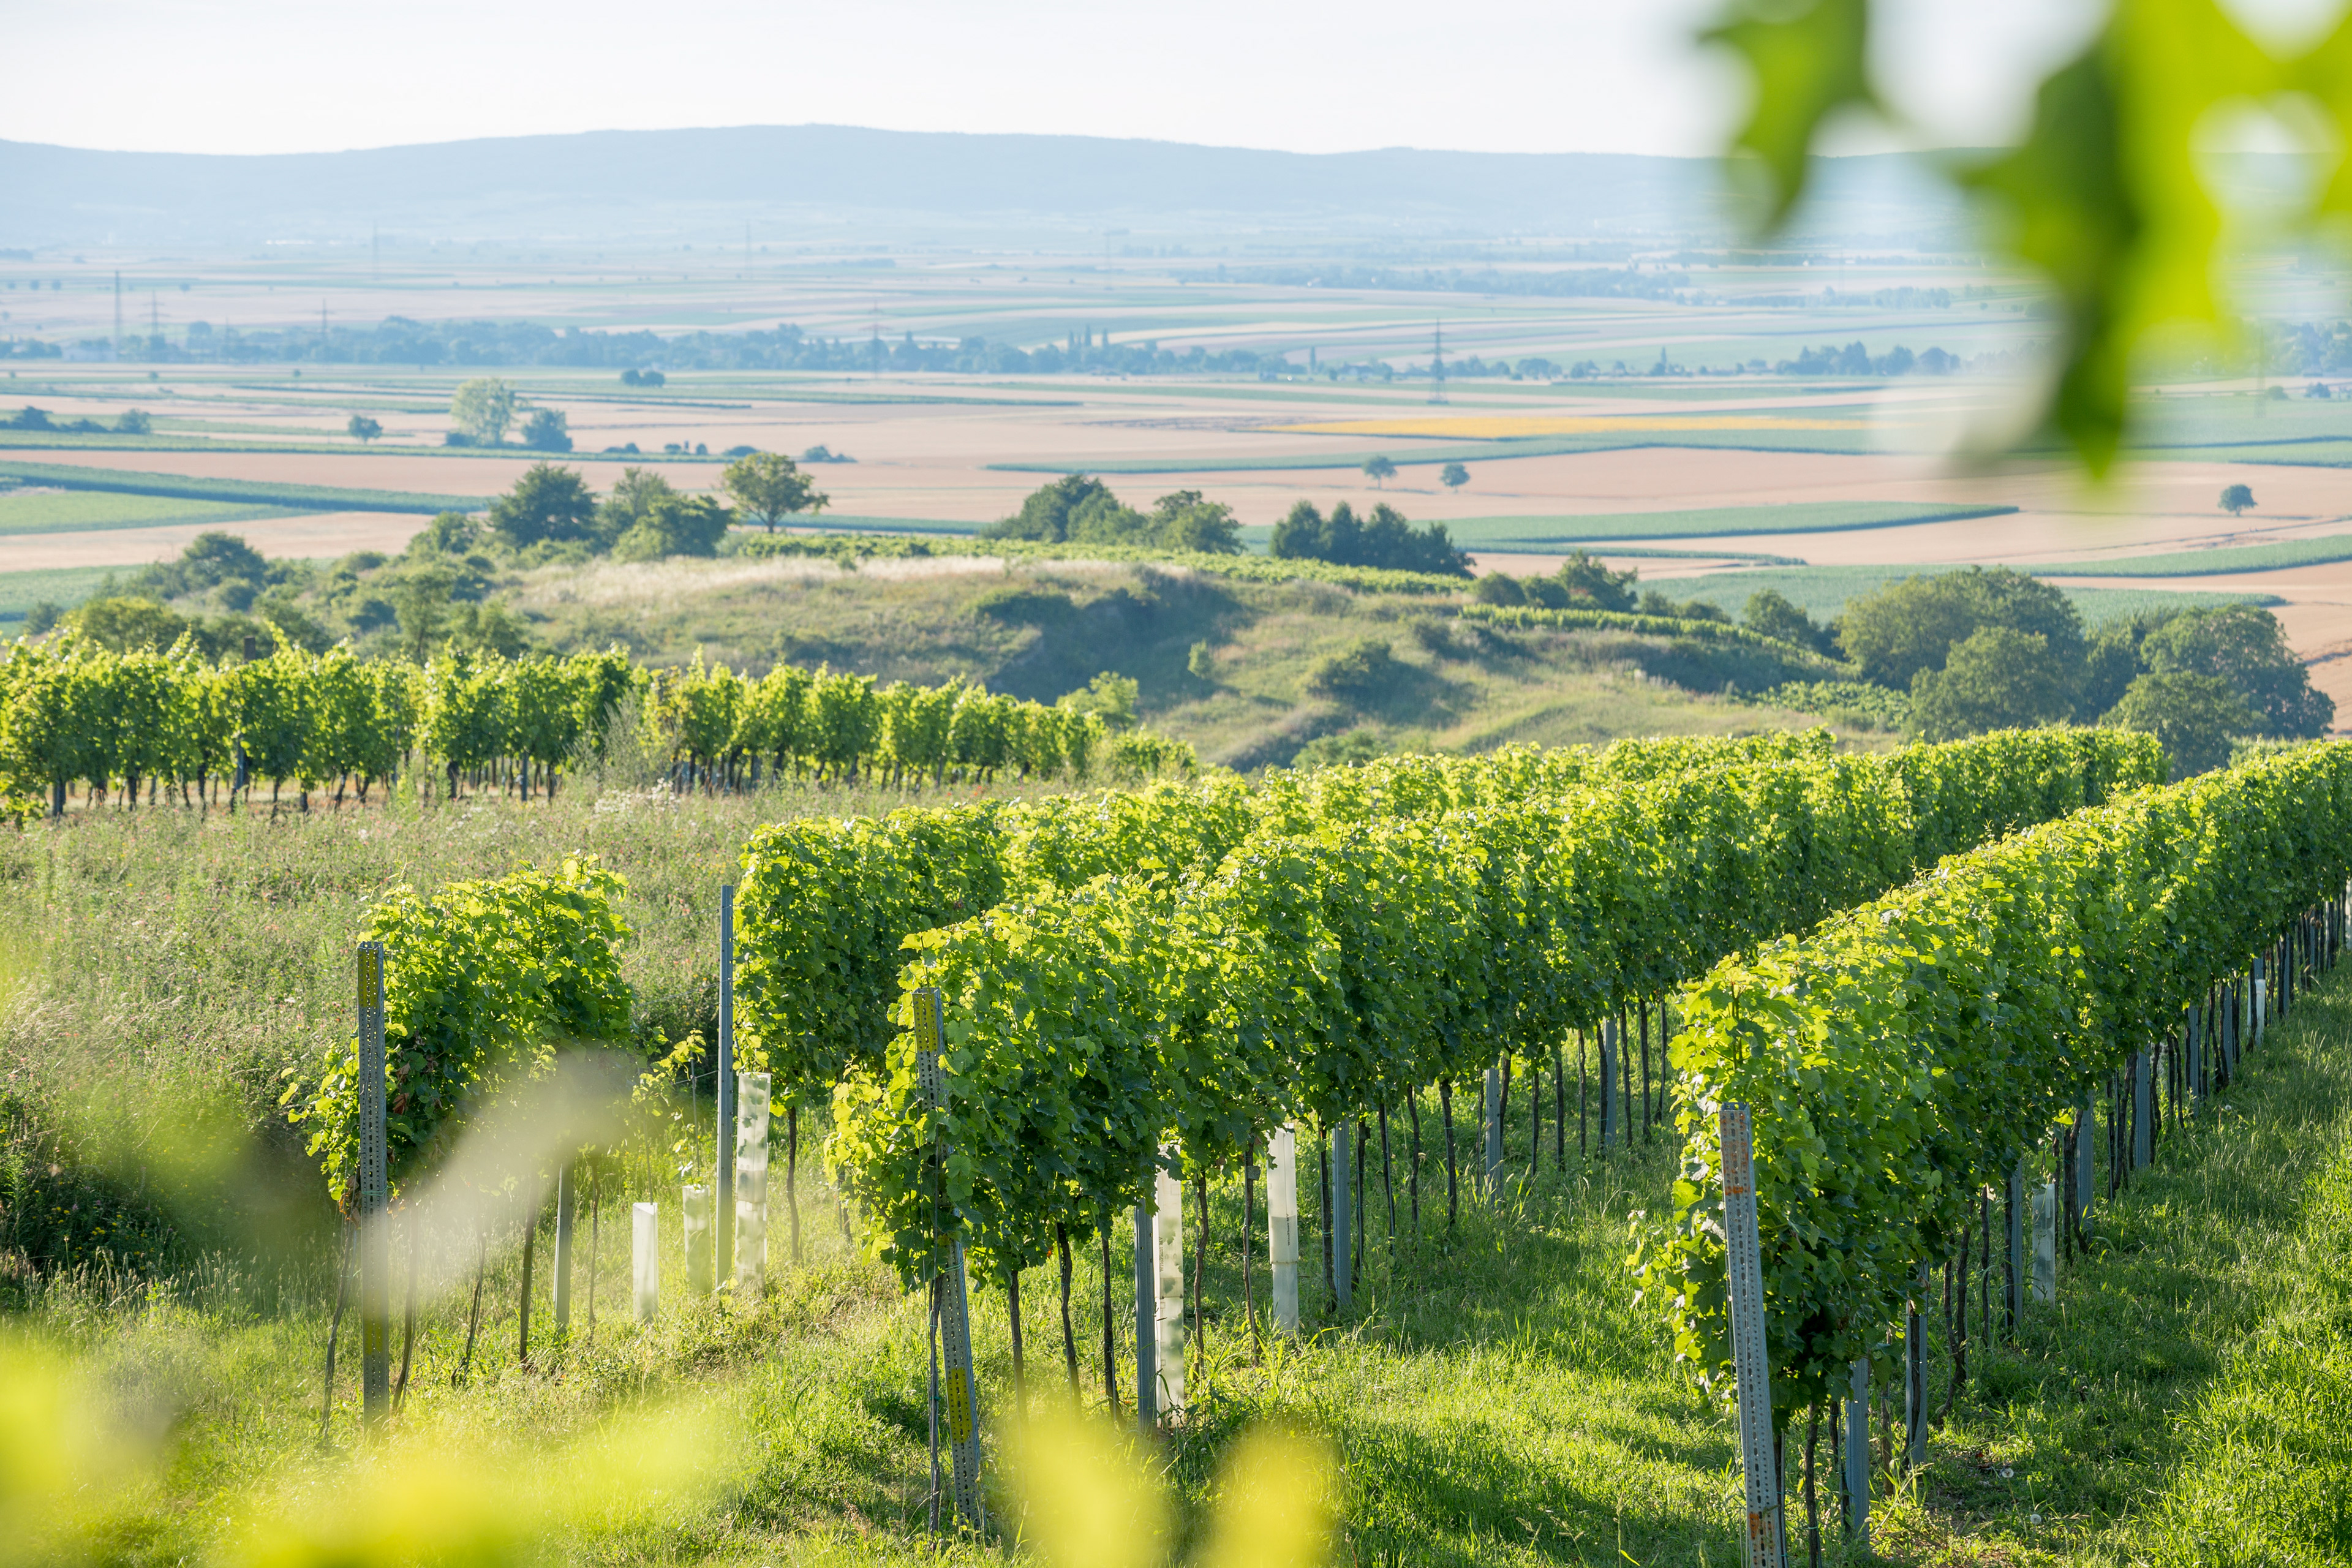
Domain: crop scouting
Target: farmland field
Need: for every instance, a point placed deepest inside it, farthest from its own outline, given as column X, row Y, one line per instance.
column 35, row 511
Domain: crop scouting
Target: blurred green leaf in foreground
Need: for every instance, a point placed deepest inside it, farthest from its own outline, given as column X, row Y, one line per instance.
column 2105, row 196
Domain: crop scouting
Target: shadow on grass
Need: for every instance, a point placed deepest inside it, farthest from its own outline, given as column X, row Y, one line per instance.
column 2081, row 1420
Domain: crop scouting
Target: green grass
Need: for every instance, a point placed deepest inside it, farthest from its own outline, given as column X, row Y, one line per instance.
column 2209, row 562
column 64, row 586
column 2182, row 1403
column 2320, row 453
column 249, row 492
column 924, row 621
column 1544, row 533
column 75, row 512
column 839, row 523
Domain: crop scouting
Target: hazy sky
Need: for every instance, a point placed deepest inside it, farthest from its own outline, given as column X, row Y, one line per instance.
column 255, row 76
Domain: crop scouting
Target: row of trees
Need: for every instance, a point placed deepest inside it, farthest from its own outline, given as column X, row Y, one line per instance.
column 644, row 516
column 1079, row 509
column 73, row 711
column 400, row 341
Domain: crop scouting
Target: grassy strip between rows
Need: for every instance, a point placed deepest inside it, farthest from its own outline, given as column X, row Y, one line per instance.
column 261, row 492
column 2187, row 1400
column 2211, row 563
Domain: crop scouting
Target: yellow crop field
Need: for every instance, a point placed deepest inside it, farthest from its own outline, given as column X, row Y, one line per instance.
column 1504, row 426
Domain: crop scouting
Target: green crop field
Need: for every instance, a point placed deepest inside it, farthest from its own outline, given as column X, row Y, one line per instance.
column 2286, row 552
column 64, row 586
column 44, row 511
column 1543, row 534
column 251, row 492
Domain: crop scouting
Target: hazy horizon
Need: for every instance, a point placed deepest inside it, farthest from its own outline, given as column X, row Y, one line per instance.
column 1312, row 76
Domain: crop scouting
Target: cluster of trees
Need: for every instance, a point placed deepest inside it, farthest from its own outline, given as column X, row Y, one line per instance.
column 436, row 591
column 73, row 711
column 1990, row 648
column 644, row 518
column 1855, row 360
column 1081, row 509
column 1384, row 539
column 2312, row 348
column 131, row 422
column 484, row 409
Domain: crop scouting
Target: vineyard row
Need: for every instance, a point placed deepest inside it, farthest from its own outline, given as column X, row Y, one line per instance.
column 72, row 711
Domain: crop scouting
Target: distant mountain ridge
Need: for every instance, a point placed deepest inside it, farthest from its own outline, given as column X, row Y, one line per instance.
column 701, row 187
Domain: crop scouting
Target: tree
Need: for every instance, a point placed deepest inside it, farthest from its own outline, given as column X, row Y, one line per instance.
column 136, row 422
column 2195, row 716
column 1453, row 476
column 126, row 624
column 1363, row 675
column 2245, row 646
column 1911, row 626
column 1589, row 585
column 1997, row 678
column 482, row 409
column 421, row 602
column 1379, row 469
column 548, row 504
column 674, row 525
column 2110, row 665
column 632, row 502
column 1109, row 697
column 2236, row 498
column 362, row 429
column 1047, row 515
column 547, row 430
column 449, row 534
column 1182, row 520
column 769, row 487
column 1498, row 588
column 1770, row 614
column 1385, row 541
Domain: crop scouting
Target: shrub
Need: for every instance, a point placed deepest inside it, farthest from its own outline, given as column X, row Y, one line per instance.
column 1019, row 606
column 1363, row 674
